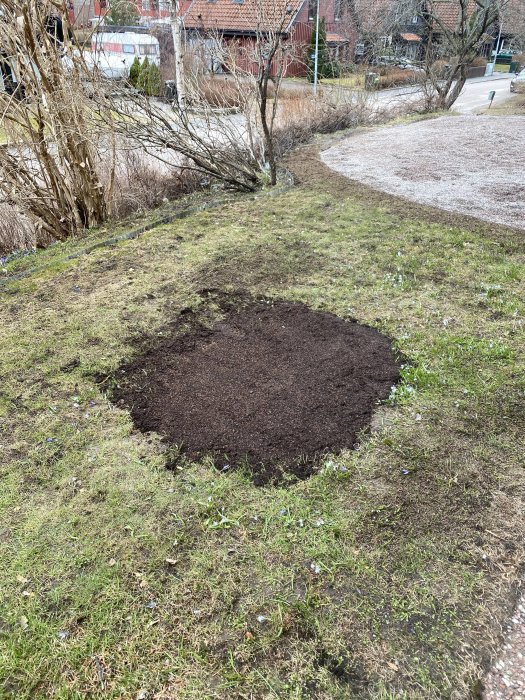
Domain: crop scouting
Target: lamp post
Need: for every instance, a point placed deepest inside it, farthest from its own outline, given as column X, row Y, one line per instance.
column 316, row 58
column 497, row 45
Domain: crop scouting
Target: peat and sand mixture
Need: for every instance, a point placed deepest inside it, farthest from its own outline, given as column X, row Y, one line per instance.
column 271, row 385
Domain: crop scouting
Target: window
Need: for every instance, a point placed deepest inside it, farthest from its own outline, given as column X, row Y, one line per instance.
column 238, row 2
column 164, row 5
column 312, row 9
column 146, row 4
column 148, row 50
column 128, row 48
column 415, row 19
column 338, row 10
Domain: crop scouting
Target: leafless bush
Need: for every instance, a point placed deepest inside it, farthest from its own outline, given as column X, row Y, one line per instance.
column 397, row 77
column 479, row 62
column 49, row 169
column 221, row 92
column 17, row 232
column 300, row 118
column 142, row 183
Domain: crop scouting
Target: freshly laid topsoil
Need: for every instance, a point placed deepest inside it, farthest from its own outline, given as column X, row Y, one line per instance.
column 271, row 385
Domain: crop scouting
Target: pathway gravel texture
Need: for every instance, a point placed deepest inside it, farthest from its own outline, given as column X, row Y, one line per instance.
column 506, row 679
column 467, row 164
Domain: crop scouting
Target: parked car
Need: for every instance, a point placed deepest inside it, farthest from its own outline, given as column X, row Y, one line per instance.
column 517, row 84
column 383, row 61
column 395, row 62
column 407, row 64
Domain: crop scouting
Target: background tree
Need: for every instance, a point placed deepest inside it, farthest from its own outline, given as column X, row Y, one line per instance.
column 153, row 81
column 460, row 41
column 452, row 33
column 122, row 13
column 134, row 72
column 142, row 80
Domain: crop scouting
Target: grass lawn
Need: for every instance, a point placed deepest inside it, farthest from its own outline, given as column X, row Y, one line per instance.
column 511, row 107
column 384, row 576
column 356, row 80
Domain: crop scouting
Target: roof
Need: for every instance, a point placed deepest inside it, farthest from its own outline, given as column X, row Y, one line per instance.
column 447, row 12
column 410, row 37
column 242, row 16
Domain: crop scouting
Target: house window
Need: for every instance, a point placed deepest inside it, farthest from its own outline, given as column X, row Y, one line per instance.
column 164, row 6
column 238, row 2
column 312, row 9
column 146, row 5
column 415, row 19
column 128, row 48
column 338, row 10
column 148, row 50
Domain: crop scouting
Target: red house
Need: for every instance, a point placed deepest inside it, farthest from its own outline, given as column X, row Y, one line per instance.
column 239, row 22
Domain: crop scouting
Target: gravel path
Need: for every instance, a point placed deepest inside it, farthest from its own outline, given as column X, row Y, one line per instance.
column 470, row 164
column 506, row 679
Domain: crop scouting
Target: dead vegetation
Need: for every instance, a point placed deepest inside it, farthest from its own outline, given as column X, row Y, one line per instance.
column 49, row 169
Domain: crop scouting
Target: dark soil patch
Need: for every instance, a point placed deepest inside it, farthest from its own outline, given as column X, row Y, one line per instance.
column 272, row 385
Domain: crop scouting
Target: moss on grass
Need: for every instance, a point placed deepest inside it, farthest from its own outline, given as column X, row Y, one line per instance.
column 384, row 576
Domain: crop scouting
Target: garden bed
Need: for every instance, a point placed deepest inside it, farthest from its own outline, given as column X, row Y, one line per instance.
column 272, row 385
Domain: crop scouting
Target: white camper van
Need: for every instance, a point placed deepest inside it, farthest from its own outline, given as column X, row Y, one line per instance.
column 115, row 48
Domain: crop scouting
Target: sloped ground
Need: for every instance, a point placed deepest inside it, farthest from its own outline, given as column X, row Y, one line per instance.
column 388, row 574
column 471, row 164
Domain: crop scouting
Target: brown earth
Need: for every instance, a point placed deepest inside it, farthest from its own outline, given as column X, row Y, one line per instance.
column 271, row 384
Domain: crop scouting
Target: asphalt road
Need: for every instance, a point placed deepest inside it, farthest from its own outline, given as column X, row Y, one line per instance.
column 474, row 97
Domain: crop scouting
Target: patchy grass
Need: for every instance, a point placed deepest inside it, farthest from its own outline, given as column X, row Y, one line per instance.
column 511, row 107
column 384, row 576
column 353, row 81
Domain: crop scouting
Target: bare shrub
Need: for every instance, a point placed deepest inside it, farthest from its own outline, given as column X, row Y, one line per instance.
column 17, row 232
column 49, row 169
column 221, row 92
column 520, row 59
column 396, row 77
column 142, row 183
column 299, row 118
column 227, row 93
column 439, row 69
column 479, row 62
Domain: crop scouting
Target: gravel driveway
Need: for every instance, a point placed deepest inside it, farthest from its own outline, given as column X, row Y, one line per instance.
column 470, row 164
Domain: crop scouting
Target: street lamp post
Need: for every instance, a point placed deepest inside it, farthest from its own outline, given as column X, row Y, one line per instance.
column 316, row 58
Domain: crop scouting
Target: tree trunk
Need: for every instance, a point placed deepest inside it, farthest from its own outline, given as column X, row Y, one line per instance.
column 268, row 140
column 176, row 31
